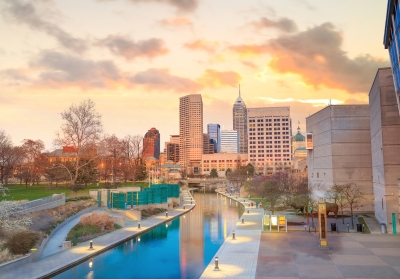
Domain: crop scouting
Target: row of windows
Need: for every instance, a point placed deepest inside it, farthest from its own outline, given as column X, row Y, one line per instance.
column 268, row 120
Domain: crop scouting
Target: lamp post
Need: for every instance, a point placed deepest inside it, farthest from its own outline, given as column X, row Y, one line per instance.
column 216, row 264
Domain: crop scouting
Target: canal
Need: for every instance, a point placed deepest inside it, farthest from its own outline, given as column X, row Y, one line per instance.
column 181, row 248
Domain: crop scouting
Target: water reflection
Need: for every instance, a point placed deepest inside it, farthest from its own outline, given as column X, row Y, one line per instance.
column 180, row 249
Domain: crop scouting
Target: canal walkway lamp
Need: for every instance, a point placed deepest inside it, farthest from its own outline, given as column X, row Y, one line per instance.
column 138, row 225
column 91, row 245
column 216, row 264
column 233, row 235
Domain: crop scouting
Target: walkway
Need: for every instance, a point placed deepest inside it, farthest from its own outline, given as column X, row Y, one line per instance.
column 66, row 258
column 55, row 242
column 295, row 255
column 238, row 257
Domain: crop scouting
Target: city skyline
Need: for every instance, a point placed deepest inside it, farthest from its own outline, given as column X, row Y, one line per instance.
column 52, row 60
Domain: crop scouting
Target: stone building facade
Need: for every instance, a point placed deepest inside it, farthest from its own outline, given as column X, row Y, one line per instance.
column 341, row 149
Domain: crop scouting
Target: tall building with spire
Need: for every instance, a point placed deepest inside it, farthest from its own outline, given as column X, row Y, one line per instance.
column 240, row 123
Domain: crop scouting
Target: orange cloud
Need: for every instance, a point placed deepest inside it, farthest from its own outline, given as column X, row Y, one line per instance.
column 316, row 55
column 248, row 50
column 202, row 45
column 214, row 78
column 176, row 22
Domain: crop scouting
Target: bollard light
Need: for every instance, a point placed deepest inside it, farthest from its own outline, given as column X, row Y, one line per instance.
column 348, row 228
column 242, row 220
column 233, row 235
column 91, row 244
column 166, row 214
column 90, row 262
column 216, row 264
column 138, row 225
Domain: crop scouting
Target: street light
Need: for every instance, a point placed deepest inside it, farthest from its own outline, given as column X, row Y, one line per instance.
column 216, row 264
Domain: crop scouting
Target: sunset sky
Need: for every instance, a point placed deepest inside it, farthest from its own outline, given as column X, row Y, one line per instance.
column 135, row 58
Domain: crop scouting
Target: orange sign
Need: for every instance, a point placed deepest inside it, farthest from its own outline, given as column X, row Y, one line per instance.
column 309, row 142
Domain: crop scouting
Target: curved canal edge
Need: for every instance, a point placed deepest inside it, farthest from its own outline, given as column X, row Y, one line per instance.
column 61, row 261
column 238, row 257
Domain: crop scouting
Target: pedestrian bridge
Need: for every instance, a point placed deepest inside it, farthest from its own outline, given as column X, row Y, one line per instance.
column 203, row 182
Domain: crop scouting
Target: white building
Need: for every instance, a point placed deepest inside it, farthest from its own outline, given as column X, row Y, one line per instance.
column 229, row 141
column 269, row 138
column 222, row 162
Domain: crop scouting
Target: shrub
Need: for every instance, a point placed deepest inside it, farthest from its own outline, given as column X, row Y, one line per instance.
column 21, row 242
column 6, row 256
column 78, row 198
column 101, row 220
column 80, row 232
column 151, row 211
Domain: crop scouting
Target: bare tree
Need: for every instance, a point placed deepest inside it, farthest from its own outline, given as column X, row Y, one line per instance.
column 337, row 194
column 270, row 189
column 81, row 130
column 32, row 151
column 132, row 154
column 10, row 158
column 353, row 194
column 111, row 149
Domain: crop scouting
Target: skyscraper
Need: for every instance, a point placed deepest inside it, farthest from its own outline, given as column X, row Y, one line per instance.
column 240, row 122
column 151, row 144
column 208, row 145
column 229, row 141
column 269, row 132
column 191, row 132
column 214, row 133
column 172, row 149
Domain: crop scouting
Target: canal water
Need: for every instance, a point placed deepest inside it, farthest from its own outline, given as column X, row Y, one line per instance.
column 180, row 249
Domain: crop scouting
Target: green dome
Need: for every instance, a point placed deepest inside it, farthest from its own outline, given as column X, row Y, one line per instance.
column 298, row 136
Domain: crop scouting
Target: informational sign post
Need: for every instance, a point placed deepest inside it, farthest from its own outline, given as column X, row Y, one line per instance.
column 275, row 220
column 323, row 226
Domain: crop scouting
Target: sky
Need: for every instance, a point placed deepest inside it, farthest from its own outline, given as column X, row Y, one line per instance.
column 135, row 58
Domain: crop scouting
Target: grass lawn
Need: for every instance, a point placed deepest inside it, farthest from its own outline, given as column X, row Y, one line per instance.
column 19, row 192
column 361, row 221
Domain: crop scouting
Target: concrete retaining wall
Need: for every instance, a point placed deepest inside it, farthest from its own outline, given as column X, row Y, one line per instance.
column 43, row 204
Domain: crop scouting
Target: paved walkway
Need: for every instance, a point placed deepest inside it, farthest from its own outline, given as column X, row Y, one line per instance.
column 295, row 255
column 81, row 252
column 54, row 244
column 238, row 257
